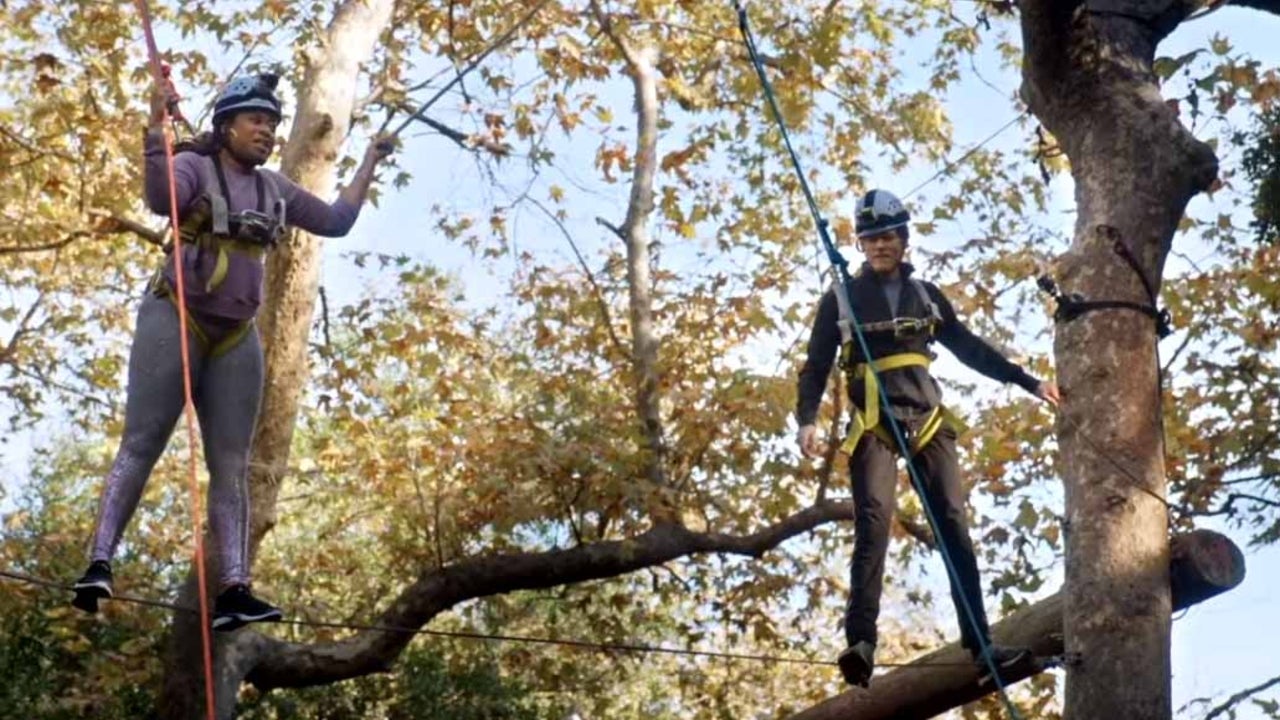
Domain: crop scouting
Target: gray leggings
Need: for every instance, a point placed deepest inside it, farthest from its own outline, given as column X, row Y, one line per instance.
column 227, row 390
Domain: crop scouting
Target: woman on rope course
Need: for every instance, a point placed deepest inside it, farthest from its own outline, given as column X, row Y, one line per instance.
column 231, row 212
column 900, row 317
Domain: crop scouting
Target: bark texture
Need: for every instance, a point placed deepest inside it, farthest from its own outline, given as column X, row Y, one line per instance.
column 1088, row 77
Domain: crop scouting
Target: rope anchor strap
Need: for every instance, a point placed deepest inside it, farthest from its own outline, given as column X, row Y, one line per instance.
column 1072, row 306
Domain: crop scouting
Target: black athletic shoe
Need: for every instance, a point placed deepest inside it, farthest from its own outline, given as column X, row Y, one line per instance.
column 857, row 662
column 237, row 607
column 1004, row 658
column 95, row 585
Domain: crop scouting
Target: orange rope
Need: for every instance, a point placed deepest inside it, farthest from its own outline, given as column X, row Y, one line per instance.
column 153, row 54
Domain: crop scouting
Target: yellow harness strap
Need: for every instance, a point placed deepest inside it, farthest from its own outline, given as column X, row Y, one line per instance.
column 161, row 287
column 869, row 420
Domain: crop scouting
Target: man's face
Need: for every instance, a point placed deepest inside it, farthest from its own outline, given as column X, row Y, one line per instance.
column 884, row 250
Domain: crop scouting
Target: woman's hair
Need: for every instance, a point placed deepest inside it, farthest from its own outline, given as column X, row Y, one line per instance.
column 208, row 142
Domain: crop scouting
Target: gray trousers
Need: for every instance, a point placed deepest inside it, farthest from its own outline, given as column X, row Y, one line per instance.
column 227, row 390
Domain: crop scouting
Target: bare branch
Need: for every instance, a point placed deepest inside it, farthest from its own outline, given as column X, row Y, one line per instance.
column 110, row 223
column 1240, row 697
column 23, row 329
column 1228, row 505
column 612, row 228
column 465, row 141
column 42, row 247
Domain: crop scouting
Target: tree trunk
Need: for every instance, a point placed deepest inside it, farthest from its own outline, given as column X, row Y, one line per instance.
column 1088, row 78
column 634, row 233
column 326, row 99
column 1204, row 564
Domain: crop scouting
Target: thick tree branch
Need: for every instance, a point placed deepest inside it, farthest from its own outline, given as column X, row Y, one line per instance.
column 1204, row 564
column 284, row 664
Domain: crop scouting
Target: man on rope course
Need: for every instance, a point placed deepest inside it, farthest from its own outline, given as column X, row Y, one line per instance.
column 900, row 316
column 232, row 213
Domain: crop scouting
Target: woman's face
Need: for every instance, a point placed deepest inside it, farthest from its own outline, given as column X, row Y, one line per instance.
column 251, row 136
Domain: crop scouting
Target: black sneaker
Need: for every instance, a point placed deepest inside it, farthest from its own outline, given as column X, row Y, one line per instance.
column 857, row 662
column 236, row 607
column 95, row 585
column 1004, row 659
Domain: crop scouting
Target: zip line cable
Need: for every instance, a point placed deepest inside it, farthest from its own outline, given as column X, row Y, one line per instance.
column 638, row 648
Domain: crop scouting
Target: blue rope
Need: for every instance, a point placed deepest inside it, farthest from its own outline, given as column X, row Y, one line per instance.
column 842, row 268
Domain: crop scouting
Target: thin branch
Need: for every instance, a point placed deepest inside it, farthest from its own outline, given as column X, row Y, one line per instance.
column 1173, row 357
column 112, row 224
column 465, row 141
column 1228, row 505
column 1250, row 479
column 55, row 245
column 324, row 316
column 7, row 353
column 31, row 146
column 591, row 278
column 612, row 228
column 1240, row 697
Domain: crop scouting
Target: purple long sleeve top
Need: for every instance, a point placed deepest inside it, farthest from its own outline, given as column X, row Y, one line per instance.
column 222, row 305
column 305, row 211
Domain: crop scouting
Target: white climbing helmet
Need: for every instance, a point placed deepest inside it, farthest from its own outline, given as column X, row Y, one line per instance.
column 878, row 211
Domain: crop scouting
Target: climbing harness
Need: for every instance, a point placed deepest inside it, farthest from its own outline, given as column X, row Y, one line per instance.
column 206, row 642
column 867, row 373
column 850, row 329
column 243, row 238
